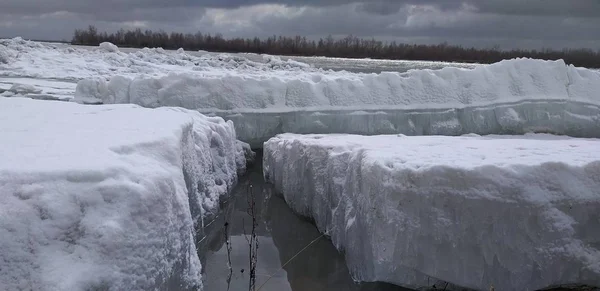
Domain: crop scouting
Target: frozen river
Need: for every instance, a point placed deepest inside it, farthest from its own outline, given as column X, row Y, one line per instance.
column 187, row 152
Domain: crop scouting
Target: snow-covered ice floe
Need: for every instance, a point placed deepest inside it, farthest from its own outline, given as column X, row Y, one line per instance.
column 51, row 70
column 513, row 212
column 107, row 197
column 513, row 96
column 22, row 58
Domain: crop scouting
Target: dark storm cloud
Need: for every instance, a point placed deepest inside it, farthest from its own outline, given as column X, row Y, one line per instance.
column 156, row 14
column 567, row 8
column 103, row 9
column 386, row 7
column 106, row 8
column 573, row 8
column 382, row 8
column 440, row 24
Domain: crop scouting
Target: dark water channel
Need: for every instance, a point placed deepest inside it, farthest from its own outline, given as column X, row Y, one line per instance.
column 281, row 235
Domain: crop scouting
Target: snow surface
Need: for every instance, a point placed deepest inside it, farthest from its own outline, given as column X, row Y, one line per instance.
column 107, row 197
column 533, row 95
column 29, row 61
column 513, row 212
column 22, row 58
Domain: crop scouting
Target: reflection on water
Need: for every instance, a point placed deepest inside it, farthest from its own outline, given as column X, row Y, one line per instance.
column 281, row 234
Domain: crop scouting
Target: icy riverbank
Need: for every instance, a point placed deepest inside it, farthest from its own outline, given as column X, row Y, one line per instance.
column 513, row 212
column 95, row 197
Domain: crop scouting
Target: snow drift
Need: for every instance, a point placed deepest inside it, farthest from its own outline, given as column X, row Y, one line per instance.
column 513, row 212
column 447, row 101
column 107, row 197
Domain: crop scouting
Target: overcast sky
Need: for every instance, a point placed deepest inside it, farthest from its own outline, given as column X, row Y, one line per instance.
column 481, row 23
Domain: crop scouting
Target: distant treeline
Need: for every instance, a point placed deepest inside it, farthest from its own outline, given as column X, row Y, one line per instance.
column 348, row 47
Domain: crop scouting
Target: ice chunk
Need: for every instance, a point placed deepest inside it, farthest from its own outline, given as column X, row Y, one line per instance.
column 513, row 212
column 115, row 91
column 23, row 89
column 91, row 88
column 513, row 96
column 4, row 58
column 108, row 197
column 276, row 62
column 109, row 47
column 7, row 94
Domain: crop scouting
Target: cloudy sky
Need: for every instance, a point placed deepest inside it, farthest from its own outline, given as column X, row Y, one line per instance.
column 481, row 23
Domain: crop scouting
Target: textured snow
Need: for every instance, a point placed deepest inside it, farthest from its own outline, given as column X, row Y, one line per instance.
column 107, row 197
column 22, row 58
column 517, row 96
column 54, row 69
column 513, row 212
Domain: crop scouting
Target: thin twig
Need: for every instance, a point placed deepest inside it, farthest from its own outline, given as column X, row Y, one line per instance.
column 229, row 249
column 290, row 260
column 253, row 239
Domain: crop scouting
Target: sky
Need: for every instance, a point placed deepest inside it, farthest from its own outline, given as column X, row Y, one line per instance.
column 526, row 24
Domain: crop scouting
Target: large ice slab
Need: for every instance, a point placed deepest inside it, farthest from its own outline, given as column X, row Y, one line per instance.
column 571, row 118
column 506, row 81
column 513, row 212
column 536, row 95
column 107, row 197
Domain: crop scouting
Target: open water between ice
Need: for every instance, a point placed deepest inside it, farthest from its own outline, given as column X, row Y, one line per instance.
column 281, row 235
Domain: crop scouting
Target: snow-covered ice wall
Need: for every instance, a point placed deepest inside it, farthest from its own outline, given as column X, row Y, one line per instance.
column 513, row 96
column 513, row 212
column 107, row 197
